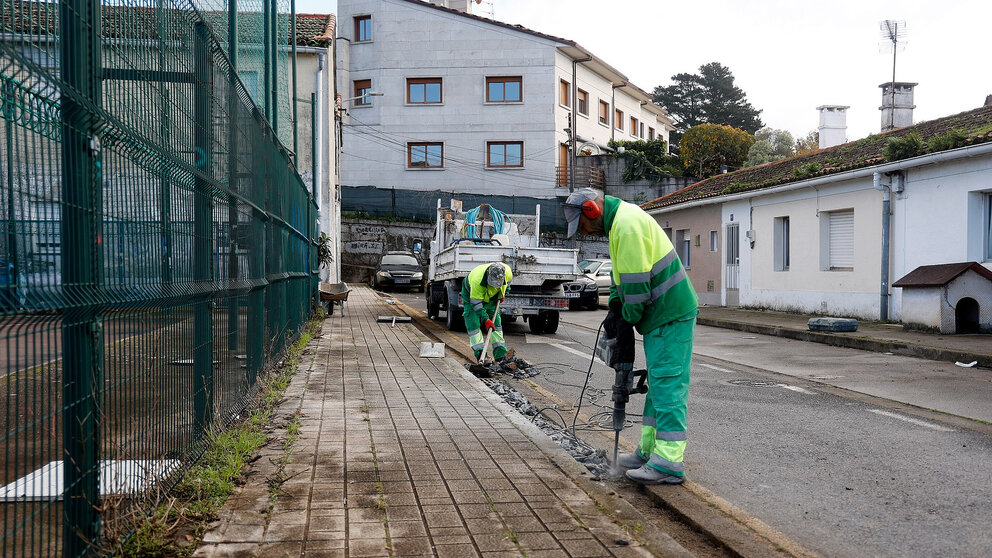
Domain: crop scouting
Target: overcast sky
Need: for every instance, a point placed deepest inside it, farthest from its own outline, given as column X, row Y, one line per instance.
column 789, row 56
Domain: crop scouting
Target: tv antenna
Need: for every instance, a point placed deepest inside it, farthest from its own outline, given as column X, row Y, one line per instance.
column 894, row 31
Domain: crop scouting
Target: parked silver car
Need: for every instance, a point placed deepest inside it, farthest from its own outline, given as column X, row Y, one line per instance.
column 598, row 271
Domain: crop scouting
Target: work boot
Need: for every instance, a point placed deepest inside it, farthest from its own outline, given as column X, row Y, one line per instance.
column 630, row 461
column 650, row 475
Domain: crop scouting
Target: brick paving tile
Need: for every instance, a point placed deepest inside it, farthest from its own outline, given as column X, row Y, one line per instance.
column 442, row 519
column 363, row 515
column 584, row 548
column 406, row 529
column 537, row 541
column 494, row 542
column 413, row 546
column 236, row 533
column 367, row 547
column 404, row 513
column 367, row 530
column 456, row 551
column 547, row 554
column 284, row 532
column 235, row 550
column 326, row 544
column 484, row 526
column 282, row 549
column 524, row 523
column 326, row 553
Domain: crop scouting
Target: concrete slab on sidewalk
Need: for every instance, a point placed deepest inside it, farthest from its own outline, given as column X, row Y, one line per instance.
column 402, row 455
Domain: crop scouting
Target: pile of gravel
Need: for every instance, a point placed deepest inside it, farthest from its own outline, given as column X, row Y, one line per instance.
column 593, row 459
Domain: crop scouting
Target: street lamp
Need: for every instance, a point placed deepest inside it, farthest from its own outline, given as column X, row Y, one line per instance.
column 369, row 94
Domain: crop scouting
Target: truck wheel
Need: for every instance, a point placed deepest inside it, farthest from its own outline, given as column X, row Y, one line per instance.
column 453, row 320
column 536, row 322
column 551, row 319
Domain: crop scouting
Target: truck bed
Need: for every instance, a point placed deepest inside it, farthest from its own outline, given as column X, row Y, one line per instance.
column 531, row 266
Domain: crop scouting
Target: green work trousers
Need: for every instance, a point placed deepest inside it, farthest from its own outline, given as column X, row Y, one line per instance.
column 473, row 324
column 668, row 351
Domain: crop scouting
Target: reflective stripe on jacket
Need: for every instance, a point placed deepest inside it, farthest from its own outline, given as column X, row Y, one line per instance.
column 648, row 276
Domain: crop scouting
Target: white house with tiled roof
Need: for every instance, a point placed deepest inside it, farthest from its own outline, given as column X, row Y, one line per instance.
column 473, row 105
column 829, row 232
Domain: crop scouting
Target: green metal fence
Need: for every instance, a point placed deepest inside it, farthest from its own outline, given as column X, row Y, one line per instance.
column 157, row 250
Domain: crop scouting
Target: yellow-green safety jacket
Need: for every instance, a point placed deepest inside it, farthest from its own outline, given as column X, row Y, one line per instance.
column 479, row 295
column 648, row 276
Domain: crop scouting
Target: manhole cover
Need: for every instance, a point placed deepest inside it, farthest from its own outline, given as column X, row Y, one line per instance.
column 753, row 383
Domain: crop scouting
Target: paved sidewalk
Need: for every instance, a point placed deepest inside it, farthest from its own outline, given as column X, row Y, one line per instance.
column 406, row 456
column 871, row 336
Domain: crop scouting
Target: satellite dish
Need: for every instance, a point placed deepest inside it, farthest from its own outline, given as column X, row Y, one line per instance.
column 589, row 148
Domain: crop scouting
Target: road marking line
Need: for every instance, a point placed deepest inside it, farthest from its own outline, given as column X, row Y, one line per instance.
column 917, row 422
column 717, row 368
column 575, row 352
column 797, row 389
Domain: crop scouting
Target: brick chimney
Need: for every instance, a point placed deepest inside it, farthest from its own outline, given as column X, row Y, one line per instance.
column 833, row 125
column 897, row 105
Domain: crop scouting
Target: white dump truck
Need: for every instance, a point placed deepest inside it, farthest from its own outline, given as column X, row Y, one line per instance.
column 466, row 239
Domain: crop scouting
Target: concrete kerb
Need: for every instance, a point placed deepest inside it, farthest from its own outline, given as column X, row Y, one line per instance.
column 607, row 500
column 851, row 342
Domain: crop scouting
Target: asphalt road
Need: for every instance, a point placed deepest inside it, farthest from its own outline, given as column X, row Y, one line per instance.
column 808, row 439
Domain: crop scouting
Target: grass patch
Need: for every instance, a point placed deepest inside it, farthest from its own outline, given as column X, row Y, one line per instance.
column 176, row 527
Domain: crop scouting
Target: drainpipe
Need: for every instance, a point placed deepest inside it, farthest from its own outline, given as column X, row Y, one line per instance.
column 574, row 124
column 613, row 108
column 883, row 302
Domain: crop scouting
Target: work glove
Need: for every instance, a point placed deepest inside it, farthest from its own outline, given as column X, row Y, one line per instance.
column 486, row 327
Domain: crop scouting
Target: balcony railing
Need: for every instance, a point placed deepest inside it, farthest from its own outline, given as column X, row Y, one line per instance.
column 585, row 177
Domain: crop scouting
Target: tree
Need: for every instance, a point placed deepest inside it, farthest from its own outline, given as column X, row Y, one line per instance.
column 648, row 160
column 770, row 145
column 708, row 97
column 707, row 147
column 808, row 144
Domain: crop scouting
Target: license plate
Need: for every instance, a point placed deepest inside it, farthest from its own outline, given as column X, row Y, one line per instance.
column 572, row 295
column 398, row 280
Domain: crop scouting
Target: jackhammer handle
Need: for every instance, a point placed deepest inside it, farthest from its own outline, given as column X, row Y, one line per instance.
column 642, row 377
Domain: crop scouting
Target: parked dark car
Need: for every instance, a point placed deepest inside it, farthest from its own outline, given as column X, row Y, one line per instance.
column 582, row 293
column 399, row 270
column 598, row 271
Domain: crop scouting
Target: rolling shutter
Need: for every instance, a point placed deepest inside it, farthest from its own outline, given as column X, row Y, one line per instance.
column 842, row 240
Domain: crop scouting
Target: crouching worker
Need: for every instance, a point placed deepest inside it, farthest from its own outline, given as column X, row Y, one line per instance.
column 485, row 286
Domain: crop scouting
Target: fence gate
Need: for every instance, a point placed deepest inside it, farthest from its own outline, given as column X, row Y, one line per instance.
column 731, row 279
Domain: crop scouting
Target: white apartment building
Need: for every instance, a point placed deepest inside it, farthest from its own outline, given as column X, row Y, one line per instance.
column 438, row 99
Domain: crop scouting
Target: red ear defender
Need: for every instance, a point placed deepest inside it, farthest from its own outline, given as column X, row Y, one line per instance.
column 591, row 210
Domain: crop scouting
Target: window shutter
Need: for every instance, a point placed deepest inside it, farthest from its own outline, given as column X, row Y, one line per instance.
column 842, row 239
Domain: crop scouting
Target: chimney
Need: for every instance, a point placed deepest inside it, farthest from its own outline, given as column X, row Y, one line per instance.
column 897, row 105
column 833, row 125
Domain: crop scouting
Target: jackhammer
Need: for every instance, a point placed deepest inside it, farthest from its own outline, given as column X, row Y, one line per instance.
column 623, row 387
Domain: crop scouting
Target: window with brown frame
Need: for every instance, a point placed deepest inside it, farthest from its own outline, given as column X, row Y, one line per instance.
column 362, row 89
column 423, row 91
column 582, row 102
column 504, row 154
column 633, row 126
column 604, row 113
column 425, row 155
column 363, row 28
column 504, row 89
column 565, row 93
column 641, row 134
column 650, row 133
column 618, row 119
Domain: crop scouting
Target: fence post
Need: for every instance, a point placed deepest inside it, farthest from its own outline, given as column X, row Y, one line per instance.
column 202, row 229
column 234, row 174
column 255, row 338
column 82, row 270
column 12, row 267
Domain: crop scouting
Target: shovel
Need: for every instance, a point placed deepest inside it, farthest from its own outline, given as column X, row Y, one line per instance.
column 482, row 369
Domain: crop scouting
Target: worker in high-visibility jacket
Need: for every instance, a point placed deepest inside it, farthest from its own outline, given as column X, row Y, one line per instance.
column 650, row 291
column 484, row 287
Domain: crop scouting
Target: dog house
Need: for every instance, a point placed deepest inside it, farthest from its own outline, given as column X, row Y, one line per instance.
column 954, row 298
